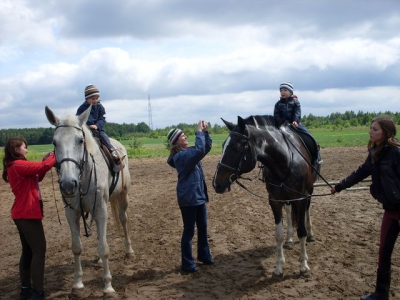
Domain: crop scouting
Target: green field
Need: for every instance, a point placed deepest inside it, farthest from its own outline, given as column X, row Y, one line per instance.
column 155, row 147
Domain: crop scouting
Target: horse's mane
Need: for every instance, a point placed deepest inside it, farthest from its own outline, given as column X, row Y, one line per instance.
column 91, row 144
column 261, row 121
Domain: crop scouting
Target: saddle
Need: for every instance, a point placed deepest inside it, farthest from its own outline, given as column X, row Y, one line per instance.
column 310, row 144
column 112, row 165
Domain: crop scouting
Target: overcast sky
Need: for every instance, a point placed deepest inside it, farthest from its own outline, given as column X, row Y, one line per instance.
column 197, row 59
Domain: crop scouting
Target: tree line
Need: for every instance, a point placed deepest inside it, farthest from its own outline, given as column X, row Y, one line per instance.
column 335, row 121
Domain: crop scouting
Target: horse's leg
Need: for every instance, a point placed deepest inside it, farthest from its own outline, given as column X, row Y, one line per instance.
column 310, row 233
column 289, row 237
column 279, row 237
column 123, row 218
column 73, row 221
column 103, row 249
column 302, row 235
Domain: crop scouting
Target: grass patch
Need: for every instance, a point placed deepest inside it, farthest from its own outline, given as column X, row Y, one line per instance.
column 146, row 147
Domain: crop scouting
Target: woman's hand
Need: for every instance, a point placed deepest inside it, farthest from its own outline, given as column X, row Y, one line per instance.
column 48, row 155
column 333, row 190
column 202, row 126
column 205, row 126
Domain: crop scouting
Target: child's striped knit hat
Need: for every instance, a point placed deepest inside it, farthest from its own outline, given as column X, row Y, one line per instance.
column 173, row 135
column 286, row 85
column 91, row 91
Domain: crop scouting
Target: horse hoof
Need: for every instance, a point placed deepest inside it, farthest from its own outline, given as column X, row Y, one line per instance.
column 110, row 295
column 305, row 273
column 77, row 291
column 310, row 239
column 276, row 277
column 130, row 255
column 288, row 245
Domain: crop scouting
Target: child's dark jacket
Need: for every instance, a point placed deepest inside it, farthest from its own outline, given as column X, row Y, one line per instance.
column 287, row 111
column 96, row 116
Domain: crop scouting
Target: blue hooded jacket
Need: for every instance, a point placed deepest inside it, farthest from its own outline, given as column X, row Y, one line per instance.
column 191, row 187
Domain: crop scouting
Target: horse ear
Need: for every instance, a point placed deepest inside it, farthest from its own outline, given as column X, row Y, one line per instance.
column 241, row 123
column 51, row 116
column 228, row 124
column 84, row 116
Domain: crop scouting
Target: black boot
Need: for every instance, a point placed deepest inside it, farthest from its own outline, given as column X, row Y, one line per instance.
column 382, row 287
column 25, row 293
column 37, row 295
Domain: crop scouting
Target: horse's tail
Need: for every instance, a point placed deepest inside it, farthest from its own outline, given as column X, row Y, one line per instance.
column 116, row 202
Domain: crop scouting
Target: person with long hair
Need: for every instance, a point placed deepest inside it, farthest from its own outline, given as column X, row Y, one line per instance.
column 191, row 192
column 27, row 212
column 383, row 165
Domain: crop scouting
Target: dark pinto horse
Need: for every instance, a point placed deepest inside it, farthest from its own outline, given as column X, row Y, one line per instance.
column 288, row 172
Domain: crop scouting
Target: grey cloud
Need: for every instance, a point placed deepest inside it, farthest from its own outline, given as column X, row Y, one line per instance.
column 155, row 19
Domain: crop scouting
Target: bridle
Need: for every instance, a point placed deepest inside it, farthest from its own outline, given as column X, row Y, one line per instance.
column 80, row 165
column 237, row 171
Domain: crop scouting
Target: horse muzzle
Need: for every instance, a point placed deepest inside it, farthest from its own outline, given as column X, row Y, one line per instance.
column 220, row 189
column 68, row 188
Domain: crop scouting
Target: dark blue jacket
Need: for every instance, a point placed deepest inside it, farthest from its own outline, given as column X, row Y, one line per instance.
column 287, row 111
column 191, row 187
column 385, row 175
column 96, row 116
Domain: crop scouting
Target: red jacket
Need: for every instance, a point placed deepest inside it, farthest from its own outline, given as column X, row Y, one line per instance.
column 24, row 177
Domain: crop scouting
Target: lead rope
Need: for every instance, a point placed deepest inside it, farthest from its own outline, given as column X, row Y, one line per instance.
column 54, row 196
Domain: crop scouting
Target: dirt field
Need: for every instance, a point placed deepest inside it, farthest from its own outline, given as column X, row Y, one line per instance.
column 342, row 259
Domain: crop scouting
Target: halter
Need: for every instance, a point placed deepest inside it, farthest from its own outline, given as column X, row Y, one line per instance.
column 80, row 165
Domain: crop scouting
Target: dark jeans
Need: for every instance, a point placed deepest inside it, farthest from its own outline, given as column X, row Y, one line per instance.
column 191, row 216
column 31, row 264
column 302, row 128
column 390, row 230
column 105, row 139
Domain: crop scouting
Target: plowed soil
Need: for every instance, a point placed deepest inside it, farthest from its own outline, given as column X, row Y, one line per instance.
column 342, row 259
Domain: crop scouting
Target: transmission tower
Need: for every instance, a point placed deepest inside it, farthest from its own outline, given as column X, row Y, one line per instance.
column 150, row 116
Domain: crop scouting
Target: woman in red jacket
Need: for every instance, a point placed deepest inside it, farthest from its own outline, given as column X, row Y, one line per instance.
column 27, row 212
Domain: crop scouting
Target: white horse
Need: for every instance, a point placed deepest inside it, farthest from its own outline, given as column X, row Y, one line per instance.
column 87, row 184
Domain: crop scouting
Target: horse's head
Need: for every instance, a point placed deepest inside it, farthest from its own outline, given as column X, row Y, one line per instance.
column 237, row 156
column 70, row 150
